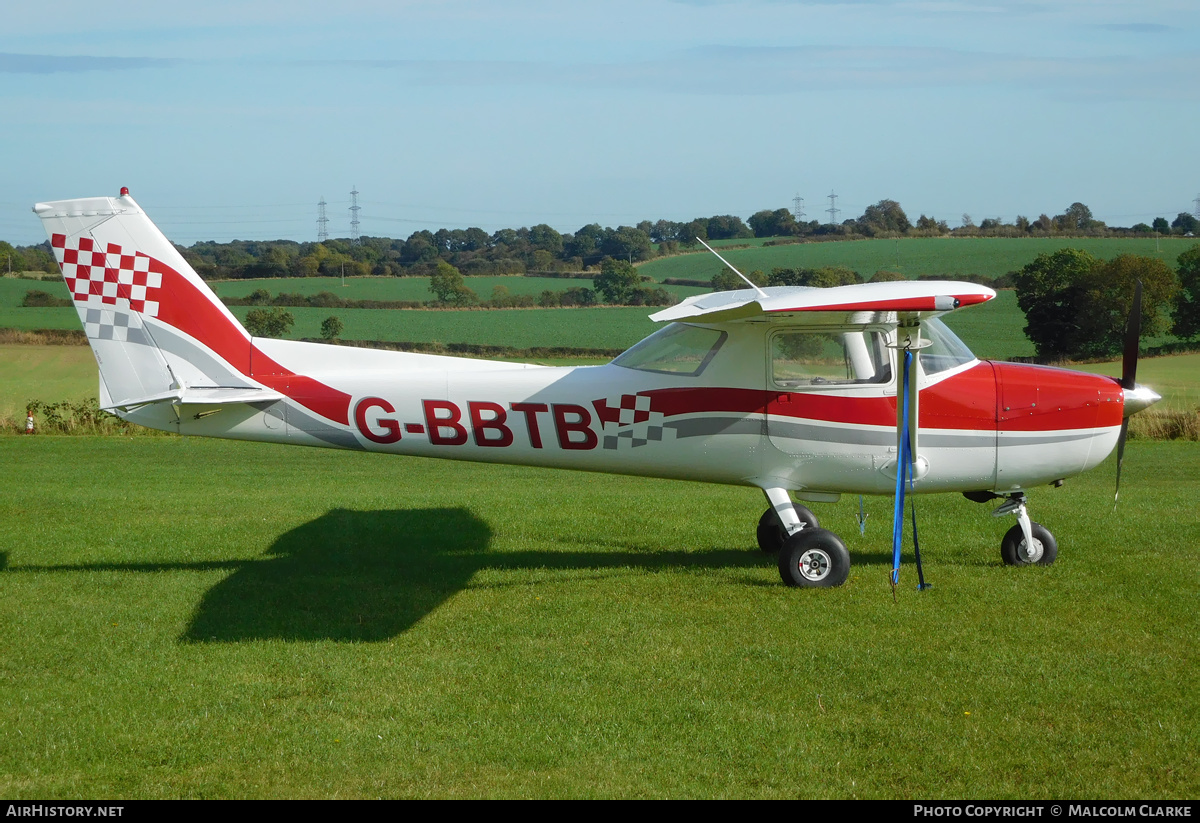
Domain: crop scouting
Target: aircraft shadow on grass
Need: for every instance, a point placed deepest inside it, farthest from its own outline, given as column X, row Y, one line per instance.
column 367, row 576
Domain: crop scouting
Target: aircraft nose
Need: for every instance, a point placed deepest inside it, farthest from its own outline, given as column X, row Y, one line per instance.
column 1138, row 398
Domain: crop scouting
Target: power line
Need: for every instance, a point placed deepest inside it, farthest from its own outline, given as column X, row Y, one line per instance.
column 798, row 207
column 322, row 222
column 833, row 211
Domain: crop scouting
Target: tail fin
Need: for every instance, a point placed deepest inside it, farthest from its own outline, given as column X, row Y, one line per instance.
column 158, row 331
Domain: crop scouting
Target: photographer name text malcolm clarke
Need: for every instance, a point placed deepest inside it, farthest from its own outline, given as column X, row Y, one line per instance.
column 994, row 810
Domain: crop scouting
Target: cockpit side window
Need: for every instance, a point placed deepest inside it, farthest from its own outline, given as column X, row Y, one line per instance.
column 677, row 349
column 811, row 357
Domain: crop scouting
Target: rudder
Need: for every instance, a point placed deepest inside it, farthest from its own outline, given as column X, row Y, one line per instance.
column 156, row 328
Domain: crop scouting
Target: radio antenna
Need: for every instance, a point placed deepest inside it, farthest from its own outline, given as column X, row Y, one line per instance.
column 761, row 293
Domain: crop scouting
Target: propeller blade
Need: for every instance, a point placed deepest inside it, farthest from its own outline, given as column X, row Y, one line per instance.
column 1133, row 334
column 1120, row 460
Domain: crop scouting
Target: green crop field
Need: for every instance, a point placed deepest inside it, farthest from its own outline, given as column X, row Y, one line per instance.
column 197, row 618
column 594, row 328
column 410, row 288
column 993, row 329
column 913, row 257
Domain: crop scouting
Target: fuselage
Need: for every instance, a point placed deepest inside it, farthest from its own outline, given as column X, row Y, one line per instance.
column 983, row 425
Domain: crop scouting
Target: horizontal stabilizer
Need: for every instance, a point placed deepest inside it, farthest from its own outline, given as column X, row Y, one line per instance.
column 202, row 396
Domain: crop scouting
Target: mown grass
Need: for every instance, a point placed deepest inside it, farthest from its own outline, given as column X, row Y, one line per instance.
column 914, row 256
column 191, row 618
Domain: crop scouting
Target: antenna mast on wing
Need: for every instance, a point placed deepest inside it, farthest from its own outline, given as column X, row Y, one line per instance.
column 761, row 293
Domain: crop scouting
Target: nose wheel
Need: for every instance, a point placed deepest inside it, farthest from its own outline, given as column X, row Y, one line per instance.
column 1027, row 543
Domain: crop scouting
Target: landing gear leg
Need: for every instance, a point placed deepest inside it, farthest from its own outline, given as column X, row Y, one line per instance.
column 1026, row 543
column 771, row 529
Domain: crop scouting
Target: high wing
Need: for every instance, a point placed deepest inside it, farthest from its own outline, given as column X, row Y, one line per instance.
column 867, row 302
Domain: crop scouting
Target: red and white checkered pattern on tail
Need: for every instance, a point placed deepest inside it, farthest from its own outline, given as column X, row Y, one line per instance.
column 107, row 278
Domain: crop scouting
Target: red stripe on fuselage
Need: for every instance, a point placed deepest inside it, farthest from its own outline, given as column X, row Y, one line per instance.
column 966, row 401
column 186, row 308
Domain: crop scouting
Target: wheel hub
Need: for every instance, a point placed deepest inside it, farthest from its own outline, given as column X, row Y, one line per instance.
column 1031, row 554
column 814, row 564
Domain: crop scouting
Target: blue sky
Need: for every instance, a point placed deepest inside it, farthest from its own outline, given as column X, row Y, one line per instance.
column 231, row 119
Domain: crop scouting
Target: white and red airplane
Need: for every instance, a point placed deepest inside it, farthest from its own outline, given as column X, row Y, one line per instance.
column 791, row 390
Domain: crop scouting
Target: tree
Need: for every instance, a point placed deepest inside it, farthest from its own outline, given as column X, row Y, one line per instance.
column 726, row 280
column 884, row 216
column 1048, row 291
column 726, row 226
column 10, row 258
column 1161, row 225
column 1077, row 217
column 930, row 225
column 269, row 322
column 777, row 223
column 1076, row 305
column 1185, row 223
column 447, row 284
column 689, row 232
column 617, row 281
column 627, row 242
column 824, row 278
column 1109, row 299
column 331, row 328
column 1187, row 303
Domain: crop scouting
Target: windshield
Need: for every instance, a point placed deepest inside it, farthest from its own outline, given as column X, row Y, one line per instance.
column 676, row 349
column 945, row 350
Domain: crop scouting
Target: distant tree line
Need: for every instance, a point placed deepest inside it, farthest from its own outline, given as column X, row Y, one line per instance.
column 542, row 249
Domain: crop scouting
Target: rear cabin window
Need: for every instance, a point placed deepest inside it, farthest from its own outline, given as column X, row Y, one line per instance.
column 675, row 349
column 806, row 358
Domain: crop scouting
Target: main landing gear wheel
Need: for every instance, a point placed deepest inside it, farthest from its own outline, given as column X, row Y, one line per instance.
column 771, row 533
column 814, row 558
column 1016, row 553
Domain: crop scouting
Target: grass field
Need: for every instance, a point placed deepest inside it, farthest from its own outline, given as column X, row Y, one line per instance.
column 913, row 257
column 49, row 373
column 191, row 618
column 993, row 329
column 410, row 288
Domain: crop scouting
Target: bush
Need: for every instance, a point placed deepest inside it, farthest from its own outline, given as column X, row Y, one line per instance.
column 269, row 322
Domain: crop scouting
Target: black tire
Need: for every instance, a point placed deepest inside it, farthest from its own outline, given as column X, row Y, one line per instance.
column 1012, row 547
column 771, row 533
column 814, row 559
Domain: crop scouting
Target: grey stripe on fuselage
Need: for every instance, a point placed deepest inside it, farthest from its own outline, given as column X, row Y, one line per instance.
column 708, row 426
column 319, row 429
